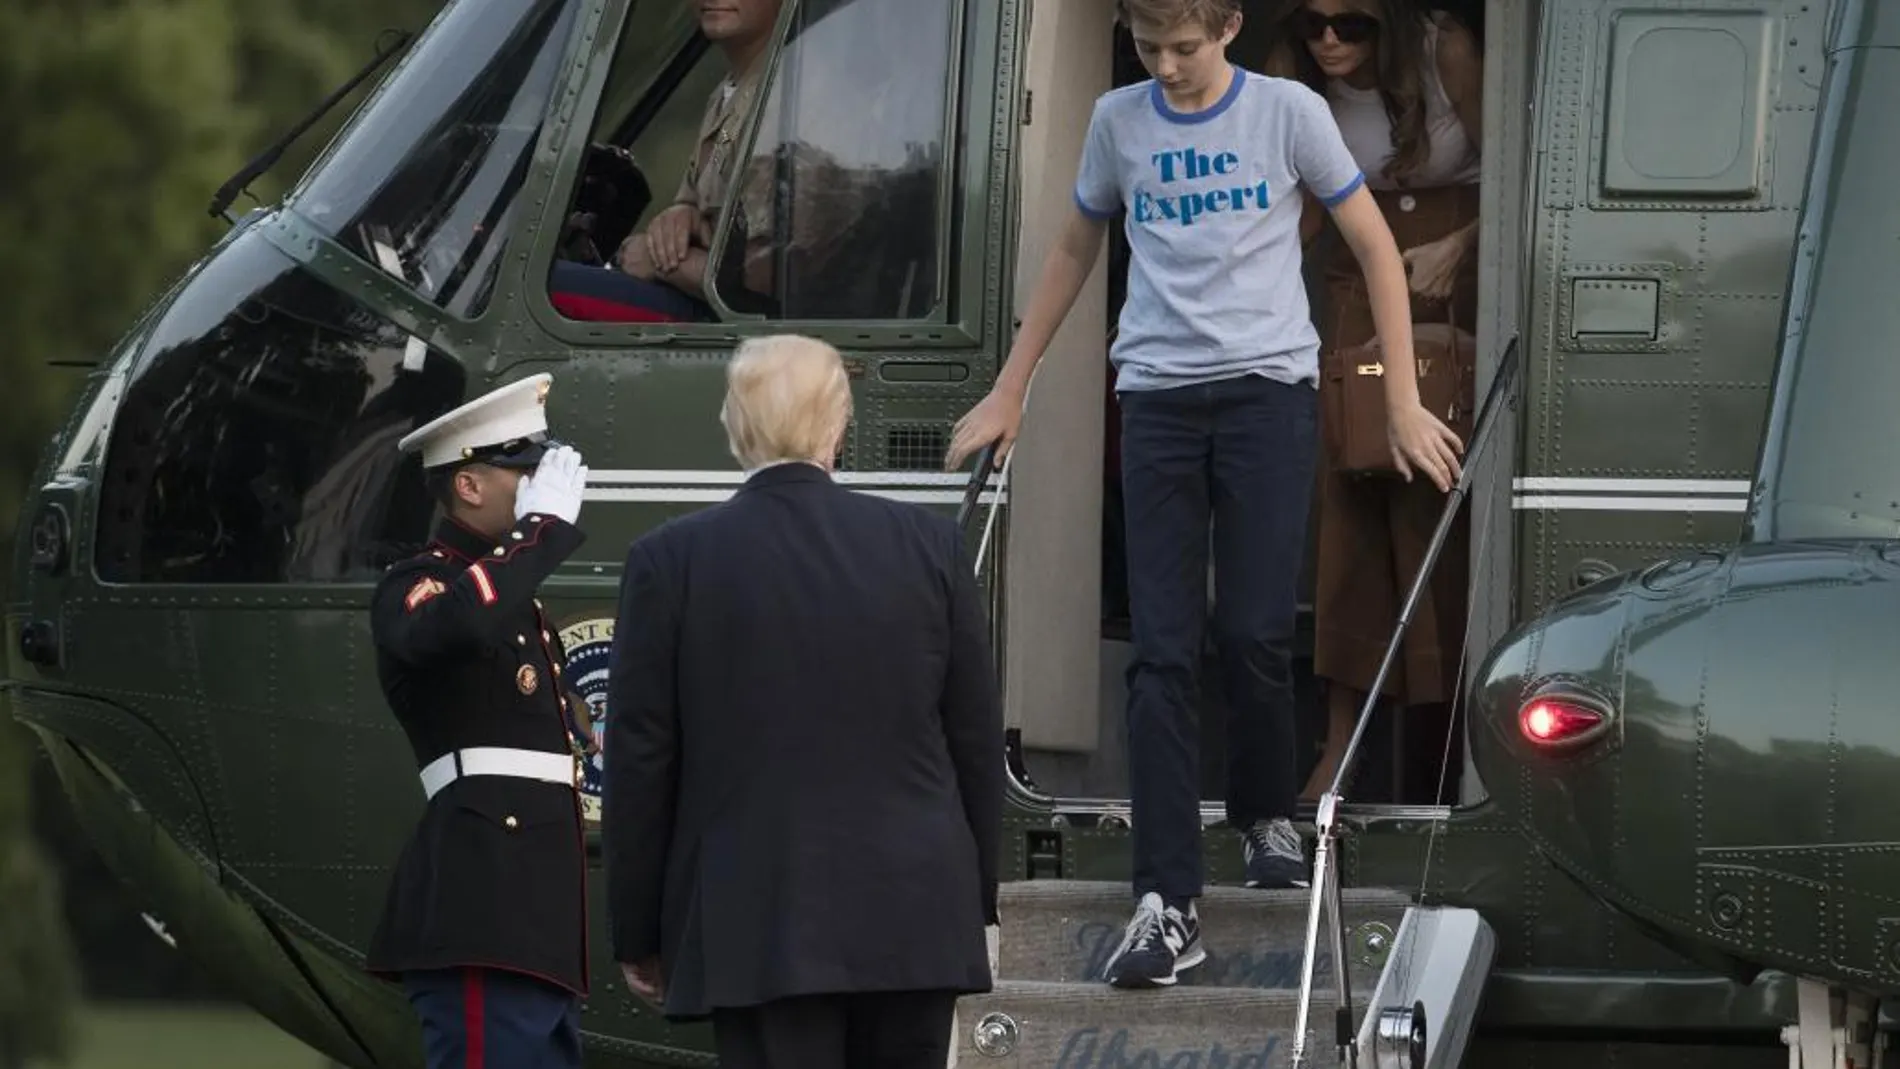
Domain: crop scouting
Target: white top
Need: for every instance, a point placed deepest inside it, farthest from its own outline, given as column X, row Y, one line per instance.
column 1453, row 161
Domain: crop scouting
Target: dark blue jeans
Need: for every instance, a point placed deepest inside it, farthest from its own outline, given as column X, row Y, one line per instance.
column 1239, row 452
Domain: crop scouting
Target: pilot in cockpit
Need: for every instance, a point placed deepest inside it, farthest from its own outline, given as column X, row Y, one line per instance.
column 674, row 245
column 670, row 255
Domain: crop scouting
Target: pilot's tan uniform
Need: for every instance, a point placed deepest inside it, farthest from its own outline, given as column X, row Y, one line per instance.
column 721, row 129
column 709, row 177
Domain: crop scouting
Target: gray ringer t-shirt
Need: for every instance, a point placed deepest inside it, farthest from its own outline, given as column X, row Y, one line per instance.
column 1214, row 286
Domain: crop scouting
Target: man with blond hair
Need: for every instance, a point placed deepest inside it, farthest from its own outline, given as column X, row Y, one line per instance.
column 802, row 806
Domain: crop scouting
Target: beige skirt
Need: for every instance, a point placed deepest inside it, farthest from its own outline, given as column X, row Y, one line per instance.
column 1373, row 533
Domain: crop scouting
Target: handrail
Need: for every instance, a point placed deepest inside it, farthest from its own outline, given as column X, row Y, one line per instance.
column 985, row 466
column 1326, row 887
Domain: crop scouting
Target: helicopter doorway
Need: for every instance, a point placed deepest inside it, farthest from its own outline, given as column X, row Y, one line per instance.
column 1094, row 777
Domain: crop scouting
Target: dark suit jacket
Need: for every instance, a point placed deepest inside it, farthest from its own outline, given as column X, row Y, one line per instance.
column 803, row 782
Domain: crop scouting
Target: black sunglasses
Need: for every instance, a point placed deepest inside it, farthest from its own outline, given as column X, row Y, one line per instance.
column 1350, row 28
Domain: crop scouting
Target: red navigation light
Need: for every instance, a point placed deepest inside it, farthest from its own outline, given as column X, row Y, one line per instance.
column 1554, row 721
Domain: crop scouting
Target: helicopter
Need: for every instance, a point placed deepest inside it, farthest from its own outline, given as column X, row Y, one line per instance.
column 1668, row 844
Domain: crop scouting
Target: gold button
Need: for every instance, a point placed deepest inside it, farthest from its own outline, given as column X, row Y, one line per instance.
column 544, row 636
column 511, row 822
column 497, row 551
column 521, row 640
column 516, row 536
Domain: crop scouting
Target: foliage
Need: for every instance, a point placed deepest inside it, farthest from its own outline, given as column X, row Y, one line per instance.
column 38, row 982
column 119, row 119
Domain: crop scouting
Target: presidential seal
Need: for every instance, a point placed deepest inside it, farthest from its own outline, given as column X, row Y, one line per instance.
column 589, row 645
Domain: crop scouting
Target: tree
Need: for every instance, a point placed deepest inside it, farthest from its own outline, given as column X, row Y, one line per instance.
column 118, row 121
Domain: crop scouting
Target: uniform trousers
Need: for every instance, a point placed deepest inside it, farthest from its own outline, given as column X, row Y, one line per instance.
column 476, row 1018
column 871, row 1030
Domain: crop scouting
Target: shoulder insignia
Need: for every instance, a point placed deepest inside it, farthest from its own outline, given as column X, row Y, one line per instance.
column 484, row 586
column 425, row 588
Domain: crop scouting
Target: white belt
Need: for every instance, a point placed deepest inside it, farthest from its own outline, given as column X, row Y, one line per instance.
column 499, row 761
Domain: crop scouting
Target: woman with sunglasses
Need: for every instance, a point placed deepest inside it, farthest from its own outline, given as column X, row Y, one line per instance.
column 1406, row 91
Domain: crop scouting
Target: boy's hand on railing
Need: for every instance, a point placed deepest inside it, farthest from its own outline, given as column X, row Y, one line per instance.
column 1420, row 441
column 996, row 418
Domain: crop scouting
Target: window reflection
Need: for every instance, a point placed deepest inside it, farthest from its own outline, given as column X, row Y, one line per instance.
column 853, row 143
column 835, row 207
column 257, row 439
column 424, row 185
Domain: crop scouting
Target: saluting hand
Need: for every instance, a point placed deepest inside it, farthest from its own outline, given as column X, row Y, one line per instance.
column 556, row 487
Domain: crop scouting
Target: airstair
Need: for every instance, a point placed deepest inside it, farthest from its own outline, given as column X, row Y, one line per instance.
column 1386, row 983
column 1414, row 976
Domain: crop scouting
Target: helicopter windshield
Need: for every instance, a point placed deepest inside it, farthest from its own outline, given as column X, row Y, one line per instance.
column 424, row 181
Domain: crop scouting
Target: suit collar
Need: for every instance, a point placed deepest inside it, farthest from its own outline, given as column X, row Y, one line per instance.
column 462, row 540
column 786, row 474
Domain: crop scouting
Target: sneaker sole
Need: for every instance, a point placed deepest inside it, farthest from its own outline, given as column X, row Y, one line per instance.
column 1184, row 963
column 1290, row 878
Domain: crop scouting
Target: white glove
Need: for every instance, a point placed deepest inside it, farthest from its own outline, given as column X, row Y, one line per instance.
column 555, row 487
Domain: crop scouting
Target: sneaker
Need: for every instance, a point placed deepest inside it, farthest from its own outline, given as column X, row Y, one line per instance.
column 1159, row 944
column 1275, row 857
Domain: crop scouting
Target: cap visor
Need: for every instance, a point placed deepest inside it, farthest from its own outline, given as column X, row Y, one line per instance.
column 525, row 459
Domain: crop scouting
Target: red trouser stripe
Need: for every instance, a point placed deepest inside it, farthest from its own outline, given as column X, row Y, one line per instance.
column 472, row 1017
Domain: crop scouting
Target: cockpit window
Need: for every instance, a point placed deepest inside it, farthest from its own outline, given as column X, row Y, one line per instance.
column 256, row 438
column 425, row 184
column 836, row 208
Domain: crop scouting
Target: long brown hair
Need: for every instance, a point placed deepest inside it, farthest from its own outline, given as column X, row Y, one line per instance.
column 1398, row 56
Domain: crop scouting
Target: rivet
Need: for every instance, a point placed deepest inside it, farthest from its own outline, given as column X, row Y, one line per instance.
column 1726, row 909
column 995, row 1035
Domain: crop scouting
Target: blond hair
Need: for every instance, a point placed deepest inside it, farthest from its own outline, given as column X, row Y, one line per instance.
column 1211, row 16
column 787, row 398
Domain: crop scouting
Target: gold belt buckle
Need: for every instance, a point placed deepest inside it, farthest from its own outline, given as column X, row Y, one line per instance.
column 1372, row 369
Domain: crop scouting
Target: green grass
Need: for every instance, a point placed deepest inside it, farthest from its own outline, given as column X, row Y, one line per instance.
column 138, row 1036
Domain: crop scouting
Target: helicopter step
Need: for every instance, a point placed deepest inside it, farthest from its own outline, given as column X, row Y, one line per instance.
column 1065, row 931
column 1025, row 1023
column 1416, row 974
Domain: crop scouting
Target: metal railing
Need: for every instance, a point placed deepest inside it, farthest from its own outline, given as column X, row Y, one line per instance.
column 1326, row 886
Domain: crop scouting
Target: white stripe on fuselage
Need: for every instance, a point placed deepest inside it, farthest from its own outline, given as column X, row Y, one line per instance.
column 709, row 486
column 1562, row 494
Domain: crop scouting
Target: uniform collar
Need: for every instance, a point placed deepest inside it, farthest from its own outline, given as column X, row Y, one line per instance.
column 462, row 540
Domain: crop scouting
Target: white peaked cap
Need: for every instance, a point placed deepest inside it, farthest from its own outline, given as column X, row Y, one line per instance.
column 516, row 410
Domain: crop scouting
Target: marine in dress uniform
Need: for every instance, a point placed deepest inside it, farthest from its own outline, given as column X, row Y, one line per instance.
column 485, row 919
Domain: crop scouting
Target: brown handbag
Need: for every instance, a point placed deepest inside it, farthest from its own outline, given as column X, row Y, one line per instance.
column 1352, row 392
